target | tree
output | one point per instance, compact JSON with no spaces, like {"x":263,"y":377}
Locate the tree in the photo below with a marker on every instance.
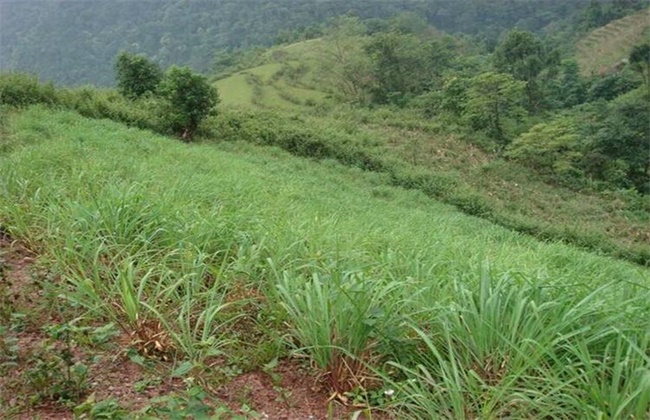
{"x":454,"y":96}
{"x":190,"y":99}
{"x":343,"y":61}
{"x":623,"y":139}
{"x":136,"y":75}
{"x":524,"y":56}
{"x":494,"y":105}
{"x":569,"y":89}
{"x":640,"y":62}
{"x":403,"y":65}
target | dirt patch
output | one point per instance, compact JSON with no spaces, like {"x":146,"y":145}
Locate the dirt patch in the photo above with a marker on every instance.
{"x":32,"y":362}
{"x":288,"y":390}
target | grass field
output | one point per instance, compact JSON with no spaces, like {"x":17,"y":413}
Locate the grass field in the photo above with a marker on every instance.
{"x":602,"y":49}
{"x":230,"y":256}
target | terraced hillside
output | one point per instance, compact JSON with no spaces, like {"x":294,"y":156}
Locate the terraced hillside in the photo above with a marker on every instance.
{"x":601,"y":50}
{"x":287,"y":80}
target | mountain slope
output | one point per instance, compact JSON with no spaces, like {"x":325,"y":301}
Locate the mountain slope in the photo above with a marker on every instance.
{"x":76,"y":42}
{"x":600,"y":51}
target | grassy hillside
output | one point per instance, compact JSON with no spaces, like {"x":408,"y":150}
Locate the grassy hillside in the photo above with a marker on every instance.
{"x":602,"y":49}
{"x":216,"y":258}
{"x":510,"y":194}
{"x":286,"y":80}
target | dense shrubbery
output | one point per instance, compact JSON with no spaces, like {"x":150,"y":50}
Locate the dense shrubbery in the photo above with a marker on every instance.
{"x":177,"y":106}
{"x":605,"y":142}
{"x":21,"y":90}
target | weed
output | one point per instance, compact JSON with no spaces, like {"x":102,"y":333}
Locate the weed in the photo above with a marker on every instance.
{"x":53,"y":373}
{"x":187,"y":405}
{"x":104,"y":409}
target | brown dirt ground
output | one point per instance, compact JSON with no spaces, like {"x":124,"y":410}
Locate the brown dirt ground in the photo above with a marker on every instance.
{"x":289,"y":391}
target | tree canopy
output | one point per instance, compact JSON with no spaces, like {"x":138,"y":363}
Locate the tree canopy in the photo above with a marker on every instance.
{"x":136,"y":75}
{"x":190,"y":98}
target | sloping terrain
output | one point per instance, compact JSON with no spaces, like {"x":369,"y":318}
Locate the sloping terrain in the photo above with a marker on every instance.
{"x":212,"y":260}
{"x":285,"y":82}
{"x":601,"y":50}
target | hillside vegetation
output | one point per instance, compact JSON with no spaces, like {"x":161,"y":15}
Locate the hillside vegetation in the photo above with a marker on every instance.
{"x":287,"y":78}
{"x":603,"y":49}
{"x":290,"y":79}
{"x":390,"y":288}
{"x":371,"y":219}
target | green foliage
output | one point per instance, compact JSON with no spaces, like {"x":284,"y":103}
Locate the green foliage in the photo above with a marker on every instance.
{"x":343,"y":62}
{"x":53,"y":374}
{"x":525,"y":57}
{"x":494,"y":105}
{"x":623,"y":140}
{"x":404,"y":65}
{"x":105,"y":409}
{"x":340,"y":321}
{"x":22,"y":90}
{"x":191,"y":98}
{"x":136,"y":75}
{"x":77,"y":43}
{"x":600,"y":13}
{"x":570,"y":88}
{"x":555,"y":148}
{"x":507,"y":347}
{"x":549,"y":331}
{"x":186,"y":405}
{"x":640,"y":62}
{"x":452,"y":98}
{"x":610,"y":86}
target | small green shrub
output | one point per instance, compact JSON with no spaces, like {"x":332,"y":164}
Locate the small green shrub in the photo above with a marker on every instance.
{"x":104,"y":409}
{"x":191,"y":98}
{"x":472,"y":204}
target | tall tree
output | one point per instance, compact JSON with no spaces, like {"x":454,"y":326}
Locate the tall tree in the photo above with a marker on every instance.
{"x":343,"y":61}
{"x":404,"y":65}
{"x":623,"y":140}
{"x":640,"y":62}
{"x":525,"y":57}
{"x":494,"y":105}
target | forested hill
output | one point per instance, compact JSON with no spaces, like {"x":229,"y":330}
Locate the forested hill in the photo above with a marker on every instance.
{"x":75,"y":42}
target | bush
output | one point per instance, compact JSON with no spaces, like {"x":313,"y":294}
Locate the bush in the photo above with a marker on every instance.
{"x":612,"y":85}
{"x":555,"y":148}
{"x":190,"y":99}
{"x":23,"y":90}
